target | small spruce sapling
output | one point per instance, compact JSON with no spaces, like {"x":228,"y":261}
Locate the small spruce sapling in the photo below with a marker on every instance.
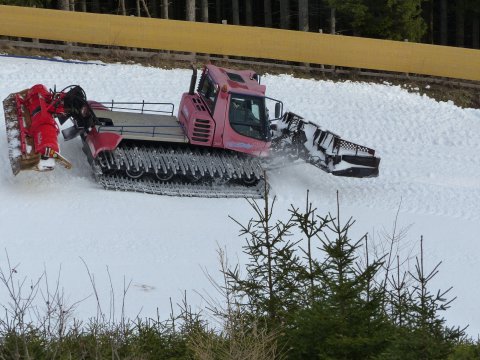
{"x":271,"y":286}
{"x":311,"y":226}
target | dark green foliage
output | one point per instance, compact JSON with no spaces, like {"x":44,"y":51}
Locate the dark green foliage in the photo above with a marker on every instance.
{"x":29,"y":345}
{"x":271,"y":284}
{"x":420,"y":332}
{"x":140,"y":340}
{"x":407,"y":21}
{"x":311,"y":226}
{"x":472,"y":5}
{"x":346,"y":319}
{"x":467,"y":350}
{"x":391,"y":19}
{"x":342,"y":309}
{"x":352,"y":13}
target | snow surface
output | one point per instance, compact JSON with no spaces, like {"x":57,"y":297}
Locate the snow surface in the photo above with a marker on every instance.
{"x":61,"y":220}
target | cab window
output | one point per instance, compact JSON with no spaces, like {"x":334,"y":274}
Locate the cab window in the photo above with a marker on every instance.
{"x":209,"y":91}
{"x":247,"y":116}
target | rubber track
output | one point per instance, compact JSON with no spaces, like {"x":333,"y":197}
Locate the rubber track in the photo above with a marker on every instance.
{"x":180,"y":189}
{"x":184,"y":161}
{"x":210,"y":168}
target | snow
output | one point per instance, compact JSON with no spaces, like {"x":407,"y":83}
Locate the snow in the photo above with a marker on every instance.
{"x":47,"y":164}
{"x":62,"y":222}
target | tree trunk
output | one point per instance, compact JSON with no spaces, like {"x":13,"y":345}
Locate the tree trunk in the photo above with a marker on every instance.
{"x":460,"y":23}
{"x":430,"y":22}
{"x":205,"y":10}
{"x":248,"y":13}
{"x":110,"y":4}
{"x":218,"y":11}
{"x":155,"y":8}
{"x":164,"y":9}
{"x":95,"y":6}
{"x":476,"y":31}
{"x":191,"y":17}
{"x":333,"y":21}
{"x":145,"y":8}
{"x":138,"y":9}
{"x":443,"y":23}
{"x":121,"y":8}
{"x":72,"y":5}
{"x":191,"y":10}
{"x":235,"y":12}
{"x":83,"y":5}
{"x":64,"y":5}
{"x":303,"y":15}
{"x":284,"y":14}
{"x":267,"y":9}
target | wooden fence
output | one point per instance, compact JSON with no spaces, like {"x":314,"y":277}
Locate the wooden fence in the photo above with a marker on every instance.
{"x":287,"y":45}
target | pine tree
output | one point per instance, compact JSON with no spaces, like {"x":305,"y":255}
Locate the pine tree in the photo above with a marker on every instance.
{"x":421,"y":333}
{"x":205,"y":11}
{"x":394,"y":19}
{"x":407,"y":21}
{"x":190,"y":10}
{"x":270,"y":288}
{"x":354,"y":13}
{"x":64,"y":5}
{"x":443,"y":22}
{"x":331,"y":302}
{"x":311,"y":226}
{"x":164,"y":11}
{"x":347,"y":320}
{"x":267,"y":9}
{"x":235,"y":12}
{"x":460,"y":23}
{"x":473,"y":8}
{"x":248,"y":13}
{"x":303,"y":15}
{"x":284,"y":14}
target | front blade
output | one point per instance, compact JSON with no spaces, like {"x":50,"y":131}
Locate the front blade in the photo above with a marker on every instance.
{"x":300,"y":139}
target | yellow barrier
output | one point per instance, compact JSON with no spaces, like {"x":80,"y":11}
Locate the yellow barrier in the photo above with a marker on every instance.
{"x":240,"y":41}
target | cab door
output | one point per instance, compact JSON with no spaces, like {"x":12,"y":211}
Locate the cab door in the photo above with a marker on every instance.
{"x":246,"y":127}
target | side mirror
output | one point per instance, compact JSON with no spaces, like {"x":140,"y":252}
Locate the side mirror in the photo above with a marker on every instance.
{"x":277,"y":110}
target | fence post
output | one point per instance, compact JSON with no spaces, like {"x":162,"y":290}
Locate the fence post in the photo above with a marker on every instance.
{"x":407,"y":74}
{"x":321,"y":65}
{"x":35,"y":41}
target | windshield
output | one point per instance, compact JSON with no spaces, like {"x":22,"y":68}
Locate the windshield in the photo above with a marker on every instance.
{"x":247,"y":116}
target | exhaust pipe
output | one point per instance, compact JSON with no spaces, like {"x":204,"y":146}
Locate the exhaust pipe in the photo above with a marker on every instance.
{"x":193,"y":81}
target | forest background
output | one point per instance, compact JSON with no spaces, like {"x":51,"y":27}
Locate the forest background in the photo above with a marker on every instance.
{"x":440,"y":22}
